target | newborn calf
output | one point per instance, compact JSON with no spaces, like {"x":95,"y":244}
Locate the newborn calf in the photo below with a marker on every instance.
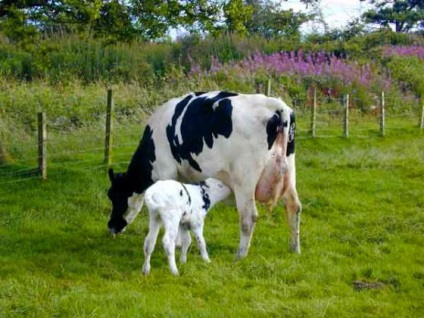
{"x":180,"y":208}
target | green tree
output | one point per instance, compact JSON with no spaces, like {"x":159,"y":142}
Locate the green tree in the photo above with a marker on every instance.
{"x":237,"y":14}
{"x":147,"y":19}
{"x":153,"y":18}
{"x":114,"y":22}
{"x":21,"y":18}
{"x":270,"y":20}
{"x":14,"y":20}
{"x":404,"y":14}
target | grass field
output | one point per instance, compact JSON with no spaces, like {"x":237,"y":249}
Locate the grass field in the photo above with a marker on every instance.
{"x":362,"y":238}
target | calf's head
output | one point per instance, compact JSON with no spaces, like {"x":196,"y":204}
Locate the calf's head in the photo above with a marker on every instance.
{"x":118,"y":193}
{"x":213,"y":191}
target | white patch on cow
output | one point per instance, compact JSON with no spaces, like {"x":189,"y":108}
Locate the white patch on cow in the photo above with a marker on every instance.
{"x":215,"y":105}
{"x":291,"y":132}
{"x":178,"y":126}
{"x":135,"y":203}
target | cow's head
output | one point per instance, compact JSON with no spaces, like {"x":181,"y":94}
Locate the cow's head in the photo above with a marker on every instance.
{"x":119,"y":193}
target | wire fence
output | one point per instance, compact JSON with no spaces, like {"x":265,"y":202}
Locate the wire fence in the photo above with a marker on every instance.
{"x":111,"y":142}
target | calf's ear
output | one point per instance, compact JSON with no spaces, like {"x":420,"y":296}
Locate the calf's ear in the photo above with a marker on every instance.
{"x":111,"y":175}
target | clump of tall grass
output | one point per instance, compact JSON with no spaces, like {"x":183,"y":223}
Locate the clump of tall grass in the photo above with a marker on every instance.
{"x":75,"y":104}
{"x":70,"y":59}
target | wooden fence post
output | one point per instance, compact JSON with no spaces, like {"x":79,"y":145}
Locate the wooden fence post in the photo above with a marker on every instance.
{"x":346,"y":117}
{"x":108,"y":137}
{"x":268,"y":87}
{"x":42,"y":148}
{"x":314,"y":114}
{"x":382,"y":116}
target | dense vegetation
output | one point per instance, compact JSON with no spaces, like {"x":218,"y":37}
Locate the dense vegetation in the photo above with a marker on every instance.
{"x":362,"y":67}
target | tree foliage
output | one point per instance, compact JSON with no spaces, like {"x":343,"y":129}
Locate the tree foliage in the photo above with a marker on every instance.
{"x":270,"y":20}
{"x":153,"y":18}
{"x":123,"y":20}
{"x":404,"y":14}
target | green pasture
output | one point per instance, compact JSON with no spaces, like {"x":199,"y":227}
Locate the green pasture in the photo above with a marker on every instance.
{"x":362,"y":237}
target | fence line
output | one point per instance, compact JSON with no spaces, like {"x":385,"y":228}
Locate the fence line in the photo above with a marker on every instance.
{"x":314,"y":114}
{"x":346,"y":116}
{"x":422,"y":115}
{"x":321,"y":122}
{"x":42,"y":148}
{"x":108,"y":135}
{"x":382,"y":115}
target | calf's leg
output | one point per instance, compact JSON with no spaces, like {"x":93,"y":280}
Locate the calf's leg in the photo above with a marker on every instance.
{"x":201,"y":243}
{"x":169,"y":238}
{"x":150,"y":242}
{"x":185,"y":237}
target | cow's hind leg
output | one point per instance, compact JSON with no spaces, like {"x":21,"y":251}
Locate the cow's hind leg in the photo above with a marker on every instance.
{"x":293,"y":210}
{"x":248,"y":215}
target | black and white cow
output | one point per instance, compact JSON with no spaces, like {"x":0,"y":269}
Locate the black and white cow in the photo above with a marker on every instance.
{"x":246,"y":141}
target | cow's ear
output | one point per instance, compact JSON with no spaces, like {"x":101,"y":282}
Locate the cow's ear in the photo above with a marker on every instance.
{"x":111,"y":175}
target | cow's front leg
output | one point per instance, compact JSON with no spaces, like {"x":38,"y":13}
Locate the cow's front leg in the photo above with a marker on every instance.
{"x":293,"y":210}
{"x":248,"y":215}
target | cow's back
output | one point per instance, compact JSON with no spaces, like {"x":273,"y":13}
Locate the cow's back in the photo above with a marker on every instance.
{"x":237,"y":138}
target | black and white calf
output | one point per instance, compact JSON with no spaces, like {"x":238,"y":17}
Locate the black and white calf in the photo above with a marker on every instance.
{"x":245,"y":141}
{"x":180,"y":208}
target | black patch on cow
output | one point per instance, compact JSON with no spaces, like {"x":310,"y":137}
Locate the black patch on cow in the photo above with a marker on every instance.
{"x":137,"y":179}
{"x":119,"y":193}
{"x":273,"y":126}
{"x":205,"y":195}
{"x":292,"y":133}
{"x":204,"y":119}
{"x":139,"y":172}
{"x":199,"y":93}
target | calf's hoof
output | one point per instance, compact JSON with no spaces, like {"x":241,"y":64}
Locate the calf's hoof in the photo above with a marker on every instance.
{"x":146,"y":270}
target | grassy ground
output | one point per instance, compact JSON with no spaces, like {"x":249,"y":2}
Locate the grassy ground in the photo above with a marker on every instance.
{"x":362,"y":238}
